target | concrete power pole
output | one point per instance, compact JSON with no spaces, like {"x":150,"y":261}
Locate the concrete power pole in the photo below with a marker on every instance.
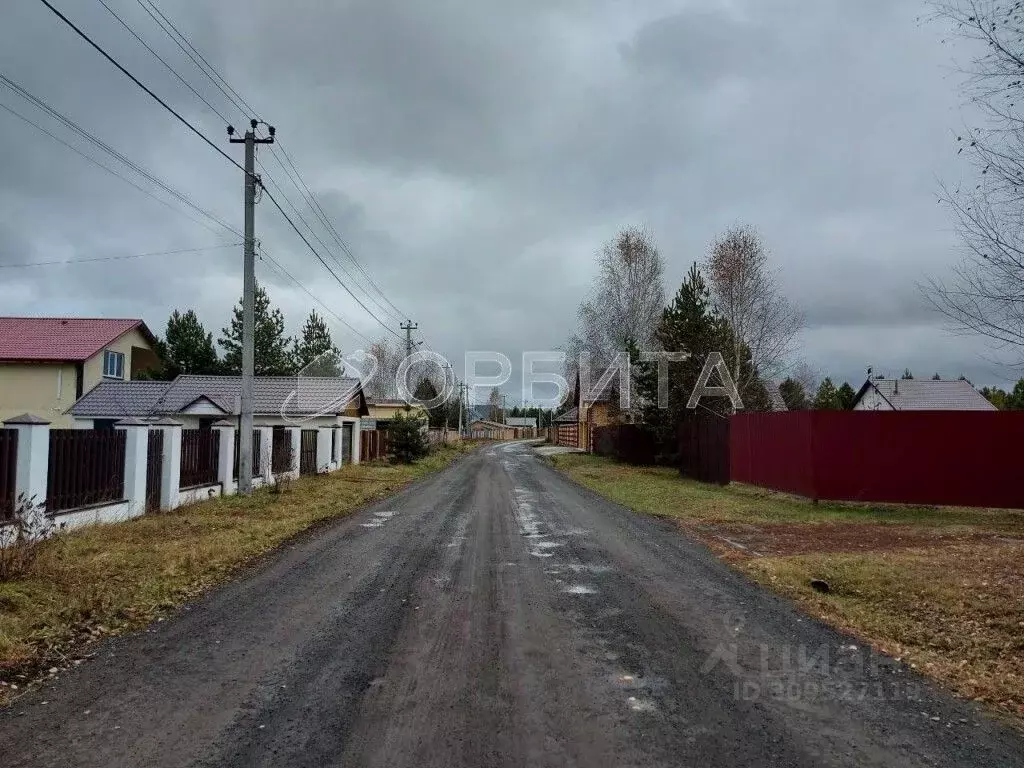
{"x":409,"y":328}
{"x":248,"y":298}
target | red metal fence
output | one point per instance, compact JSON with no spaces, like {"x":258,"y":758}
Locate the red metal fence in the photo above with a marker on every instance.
{"x":625,"y":442}
{"x":373,"y":444}
{"x":965,"y":458}
{"x":704,"y":439}
{"x":8,"y":470}
{"x":86,"y":467}
{"x":200,"y":449}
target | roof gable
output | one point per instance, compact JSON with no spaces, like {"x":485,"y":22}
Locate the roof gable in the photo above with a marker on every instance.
{"x":71,"y":339}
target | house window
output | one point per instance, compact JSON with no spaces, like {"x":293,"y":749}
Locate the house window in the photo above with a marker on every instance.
{"x":113,"y":364}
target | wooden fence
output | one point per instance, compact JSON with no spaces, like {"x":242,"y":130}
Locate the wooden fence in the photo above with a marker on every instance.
{"x":86,"y":467}
{"x":307,"y":452}
{"x":154,"y":469}
{"x":257,"y":453}
{"x":373,"y":444}
{"x":8,"y":471}
{"x":200,"y":449}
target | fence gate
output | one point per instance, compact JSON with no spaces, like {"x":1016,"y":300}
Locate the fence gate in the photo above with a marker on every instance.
{"x":307,"y":452}
{"x":154,"y":469}
{"x":346,"y":444}
{"x":569,"y":434}
{"x":704,"y":448}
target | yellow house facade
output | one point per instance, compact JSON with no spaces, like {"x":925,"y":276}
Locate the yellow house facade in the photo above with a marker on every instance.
{"x":47,"y":363}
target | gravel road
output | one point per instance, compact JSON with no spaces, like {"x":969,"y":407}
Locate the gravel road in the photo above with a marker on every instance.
{"x":495,"y":614}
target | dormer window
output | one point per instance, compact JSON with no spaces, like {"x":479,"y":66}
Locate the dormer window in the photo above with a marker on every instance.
{"x":113,"y":364}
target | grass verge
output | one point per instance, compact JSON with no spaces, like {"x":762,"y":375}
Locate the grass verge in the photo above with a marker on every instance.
{"x":109,"y":579}
{"x":942,"y":589}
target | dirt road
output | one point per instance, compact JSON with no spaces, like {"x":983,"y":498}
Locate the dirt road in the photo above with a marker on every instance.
{"x":495,"y":614}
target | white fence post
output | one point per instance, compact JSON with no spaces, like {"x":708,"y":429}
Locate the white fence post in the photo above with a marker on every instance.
{"x":296,"y":436}
{"x":33,"y":458}
{"x":136,"y":451}
{"x":266,"y":454}
{"x":323,"y":450}
{"x":226,"y":457}
{"x":357,"y":440}
{"x":170,"y":473}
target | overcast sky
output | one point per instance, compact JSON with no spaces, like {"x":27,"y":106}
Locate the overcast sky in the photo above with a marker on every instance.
{"x":475,"y":155}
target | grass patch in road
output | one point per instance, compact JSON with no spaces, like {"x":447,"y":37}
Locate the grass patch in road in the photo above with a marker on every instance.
{"x":107,"y":579}
{"x":940,"y":588}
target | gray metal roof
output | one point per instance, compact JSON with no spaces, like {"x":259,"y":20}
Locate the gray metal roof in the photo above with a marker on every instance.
{"x":521,"y":421}
{"x":120,"y":399}
{"x":273,"y":395}
{"x":929,"y":395}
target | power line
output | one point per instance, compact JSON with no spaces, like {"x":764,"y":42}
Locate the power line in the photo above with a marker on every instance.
{"x":159,"y":58}
{"x":72,"y":125}
{"x":219,"y":81}
{"x":101,"y":166}
{"x":93,"y":260}
{"x":319,"y":212}
{"x":264,"y":253}
{"x":206,"y":68}
{"x":326,"y":265}
{"x":141,"y":85}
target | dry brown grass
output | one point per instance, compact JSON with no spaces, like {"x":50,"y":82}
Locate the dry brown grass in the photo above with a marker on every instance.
{"x":109,"y":579}
{"x":940,"y":588}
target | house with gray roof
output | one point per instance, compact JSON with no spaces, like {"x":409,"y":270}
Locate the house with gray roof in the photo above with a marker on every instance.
{"x":920,"y":395}
{"x":198,"y":401}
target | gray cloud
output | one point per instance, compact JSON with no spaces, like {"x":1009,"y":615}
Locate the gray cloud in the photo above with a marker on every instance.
{"x":476,"y":155}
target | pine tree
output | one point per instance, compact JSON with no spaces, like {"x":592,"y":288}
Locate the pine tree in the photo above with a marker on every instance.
{"x":827,"y":398}
{"x":845,"y":397}
{"x":408,"y":442}
{"x":188,"y":348}
{"x":907,"y":375}
{"x":315,"y":353}
{"x":272,"y":347}
{"x":793,"y":395}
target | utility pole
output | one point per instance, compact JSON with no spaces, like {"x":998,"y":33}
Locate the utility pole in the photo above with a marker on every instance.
{"x":248,"y":298}
{"x":504,"y":418}
{"x":409,"y":328}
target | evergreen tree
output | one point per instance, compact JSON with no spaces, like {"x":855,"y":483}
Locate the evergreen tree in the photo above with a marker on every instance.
{"x":1015,"y":400}
{"x":688,"y":324}
{"x":188,"y":348}
{"x":272,"y":347}
{"x":438,"y":415}
{"x":845,"y":396}
{"x":827,"y":398}
{"x":907,"y":375}
{"x":793,"y":395}
{"x":936,"y":377}
{"x":998,"y":397}
{"x":408,"y":442}
{"x":315,"y":353}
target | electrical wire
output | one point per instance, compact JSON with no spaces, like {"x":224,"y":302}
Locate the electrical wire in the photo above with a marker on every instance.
{"x":72,"y":125}
{"x":93,"y":260}
{"x":141,"y":85}
{"x":109,"y":170}
{"x":159,"y":58}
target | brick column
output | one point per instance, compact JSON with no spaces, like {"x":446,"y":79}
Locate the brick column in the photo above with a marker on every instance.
{"x":226,"y":457}
{"x":33,"y":459}
{"x":136,"y":455}
{"x":170,"y":474}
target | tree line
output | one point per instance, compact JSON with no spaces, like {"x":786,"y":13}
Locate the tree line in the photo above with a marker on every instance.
{"x":188,"y":348}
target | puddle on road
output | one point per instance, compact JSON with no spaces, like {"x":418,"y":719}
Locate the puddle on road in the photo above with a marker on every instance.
{"x":580,"y":589}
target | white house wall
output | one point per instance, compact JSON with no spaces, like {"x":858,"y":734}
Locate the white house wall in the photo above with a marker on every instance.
{"x":872,"y":401}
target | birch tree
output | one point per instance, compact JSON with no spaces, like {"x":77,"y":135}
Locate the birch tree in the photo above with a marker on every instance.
{"x":763,"y":324}
{"x":984,"y":295}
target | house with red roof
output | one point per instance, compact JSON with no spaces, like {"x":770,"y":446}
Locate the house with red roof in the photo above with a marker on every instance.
{"x":47,"y":363}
